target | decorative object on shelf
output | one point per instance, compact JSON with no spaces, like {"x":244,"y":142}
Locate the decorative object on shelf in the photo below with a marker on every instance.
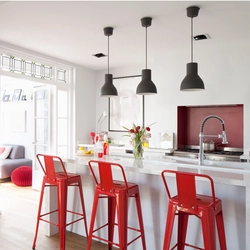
{"x":167,"y":140}
{"x":145,"y":144}
{"x":108,"y":89}
{"x":23,"y":98}
{"x":84,"y":152}
{"x":146,"y":86}
{"x":100,"y":121}
{"x":16,"y":95}
{"x":192,"y":81}
{"x":92,"y":134}
{"x":138,"y":135}
{"x":2,"y":93}
{"x":106,"y":147}
{"x":6,"y":98}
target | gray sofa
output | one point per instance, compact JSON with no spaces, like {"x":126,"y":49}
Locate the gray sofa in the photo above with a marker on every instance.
{"x":13,"y":161}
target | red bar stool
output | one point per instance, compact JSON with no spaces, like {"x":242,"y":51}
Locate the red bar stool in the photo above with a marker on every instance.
{"x":61,"y":180}
{"x":117,"y":193}
{"x":187,"y":202}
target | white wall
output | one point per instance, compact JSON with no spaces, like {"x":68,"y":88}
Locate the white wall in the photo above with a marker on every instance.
{"x":85,"y":103}
{"x":223,"y":68}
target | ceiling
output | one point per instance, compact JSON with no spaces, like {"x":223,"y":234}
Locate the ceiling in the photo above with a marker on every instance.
{"x":73,"y":30}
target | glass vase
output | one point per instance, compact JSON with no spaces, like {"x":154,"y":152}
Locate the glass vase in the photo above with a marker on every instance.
{"x":138,"y":150}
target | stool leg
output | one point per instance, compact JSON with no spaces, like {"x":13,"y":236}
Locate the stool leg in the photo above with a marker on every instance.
{"x":83,"y":206}
{"x":221,"y":230}
{"x":111,"y":220}
{"x":62,"y":210}
{"x":92,"y":221}
{"x":182,"y":229}
{"x":169,"y":226}
{"x":139,"y":213}
{"x":208,"y":229}
{"x":122,"y":212}
{"x":38,"y":214}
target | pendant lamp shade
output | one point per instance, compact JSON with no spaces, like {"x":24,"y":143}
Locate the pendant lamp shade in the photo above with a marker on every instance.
{"x":146,"y":86}
{"x":108,"y":89}
{"x":192,"y":80}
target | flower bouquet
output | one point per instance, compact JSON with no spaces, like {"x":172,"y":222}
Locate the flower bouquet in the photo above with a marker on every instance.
{"x":138,"y":136}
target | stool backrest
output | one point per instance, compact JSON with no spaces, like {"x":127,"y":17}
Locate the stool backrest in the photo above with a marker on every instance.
{"x":104,"y":175}
{"x":47,"y":164}
{"x":186,"y":188}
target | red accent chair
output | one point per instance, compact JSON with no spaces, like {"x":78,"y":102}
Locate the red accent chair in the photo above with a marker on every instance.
{"x":61,"y":180}
{"x":117,"y":193}
{"x":187,"y":202}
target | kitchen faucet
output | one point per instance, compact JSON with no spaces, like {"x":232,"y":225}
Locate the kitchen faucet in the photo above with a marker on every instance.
{"x":201,"y":136}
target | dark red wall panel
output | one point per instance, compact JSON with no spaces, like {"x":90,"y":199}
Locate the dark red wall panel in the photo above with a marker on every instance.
{"x":190,"y":120}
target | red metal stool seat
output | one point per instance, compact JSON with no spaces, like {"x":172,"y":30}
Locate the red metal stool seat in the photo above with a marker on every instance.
{"x":117,"y":193}
{"x":61,"y":180}
{"x":187,"y":202}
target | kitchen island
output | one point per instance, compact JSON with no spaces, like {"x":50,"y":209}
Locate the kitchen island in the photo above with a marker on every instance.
{"x":232,"y":186}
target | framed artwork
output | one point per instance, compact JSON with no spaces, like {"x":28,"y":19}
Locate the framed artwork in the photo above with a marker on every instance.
{"x":126,"y":108}
{"x":16,"y":95}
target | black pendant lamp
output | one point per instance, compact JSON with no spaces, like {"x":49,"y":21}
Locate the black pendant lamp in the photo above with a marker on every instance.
{"x":108,"y":89}
{"x":192,"y":81}
{"x":146,"y":86}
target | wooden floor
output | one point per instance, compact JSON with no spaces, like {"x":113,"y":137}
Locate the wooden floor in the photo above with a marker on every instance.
{"x":18,"y":206}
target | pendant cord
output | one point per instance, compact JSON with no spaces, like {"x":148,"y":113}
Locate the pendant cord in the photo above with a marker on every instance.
{"x":146,"y":47}
{"x":108,"y":54}
{"x":192,"y":49}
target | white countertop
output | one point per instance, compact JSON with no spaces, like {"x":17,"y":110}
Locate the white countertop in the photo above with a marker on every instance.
{"x":154,"y":163}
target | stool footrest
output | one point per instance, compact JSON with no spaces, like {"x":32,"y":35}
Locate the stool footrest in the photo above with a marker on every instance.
{"x":68,"y":211}
{"x":186,"y":244}
{"x":116,"y":244}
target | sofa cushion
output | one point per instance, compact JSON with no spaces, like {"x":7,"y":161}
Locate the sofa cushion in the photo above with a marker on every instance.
{"x":5,"y":151}
{"x":17,"y":152}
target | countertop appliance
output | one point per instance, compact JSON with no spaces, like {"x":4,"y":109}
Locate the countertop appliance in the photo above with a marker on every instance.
{"x":221,"y":154}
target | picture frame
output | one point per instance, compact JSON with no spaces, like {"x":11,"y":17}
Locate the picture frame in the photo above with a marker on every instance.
{"x":126,"y":108}
{"x":6,"y":98}
{"x":16,"y":95}
{"x":2,"y":93}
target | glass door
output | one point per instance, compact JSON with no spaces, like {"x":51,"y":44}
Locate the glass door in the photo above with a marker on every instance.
{"x":42,"y":130}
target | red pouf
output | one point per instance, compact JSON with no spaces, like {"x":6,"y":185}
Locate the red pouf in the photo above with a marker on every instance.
{"x":22,"y":176}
